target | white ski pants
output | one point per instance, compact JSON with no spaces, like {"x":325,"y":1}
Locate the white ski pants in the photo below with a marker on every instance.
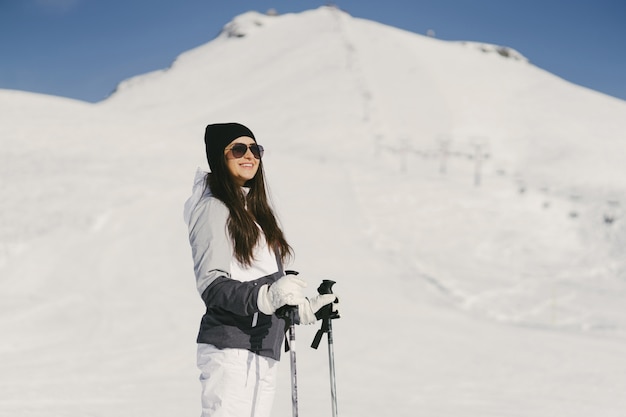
{"x":236,"y":382}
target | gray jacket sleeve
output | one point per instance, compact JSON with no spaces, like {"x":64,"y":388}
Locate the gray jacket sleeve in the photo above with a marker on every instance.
{"x":210,"y":245}
{"x":212,"y":254}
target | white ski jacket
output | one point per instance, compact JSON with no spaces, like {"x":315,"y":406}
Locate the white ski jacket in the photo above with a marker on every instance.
{"x":228,"y":289}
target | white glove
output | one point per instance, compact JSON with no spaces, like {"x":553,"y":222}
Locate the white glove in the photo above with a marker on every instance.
{"x":287,"y":290}
{"x":307,"y":309}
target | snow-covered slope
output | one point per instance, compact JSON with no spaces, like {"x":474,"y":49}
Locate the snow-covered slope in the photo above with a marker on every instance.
{"x":504,"y":298}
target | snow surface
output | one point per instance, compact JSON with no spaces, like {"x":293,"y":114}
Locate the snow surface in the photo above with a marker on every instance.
{"x":469,"y":205}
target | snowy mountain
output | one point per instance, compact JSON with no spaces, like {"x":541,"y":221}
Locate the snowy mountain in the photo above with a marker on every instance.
{"x":469,"y":205}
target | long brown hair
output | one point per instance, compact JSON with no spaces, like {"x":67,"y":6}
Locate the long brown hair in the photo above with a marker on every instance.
{"x":246,"y":211}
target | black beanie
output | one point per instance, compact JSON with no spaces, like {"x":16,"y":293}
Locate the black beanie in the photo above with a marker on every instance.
{"x":217,"y":136}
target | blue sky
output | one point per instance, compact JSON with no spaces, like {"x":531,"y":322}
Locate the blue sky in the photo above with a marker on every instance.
{"x":84,"y":48}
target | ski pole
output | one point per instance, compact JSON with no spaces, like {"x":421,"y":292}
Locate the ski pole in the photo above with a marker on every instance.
{"x":292,"y":355}
{"x":326,"y":314}
{"x":288,"y":313}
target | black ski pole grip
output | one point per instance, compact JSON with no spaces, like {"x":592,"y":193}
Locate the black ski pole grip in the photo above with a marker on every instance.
{"x":326,"y":287}
{"x":326,"y":312}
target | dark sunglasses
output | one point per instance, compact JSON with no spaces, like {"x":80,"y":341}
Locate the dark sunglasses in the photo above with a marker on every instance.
{"x":240,"y":149}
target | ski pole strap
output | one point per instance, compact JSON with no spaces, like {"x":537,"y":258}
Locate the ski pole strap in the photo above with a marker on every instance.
{"x":317,"y":339}
{"x":318,"y":336}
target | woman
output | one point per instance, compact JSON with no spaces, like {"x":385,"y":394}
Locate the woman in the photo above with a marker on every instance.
{"x":238,"y":250}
